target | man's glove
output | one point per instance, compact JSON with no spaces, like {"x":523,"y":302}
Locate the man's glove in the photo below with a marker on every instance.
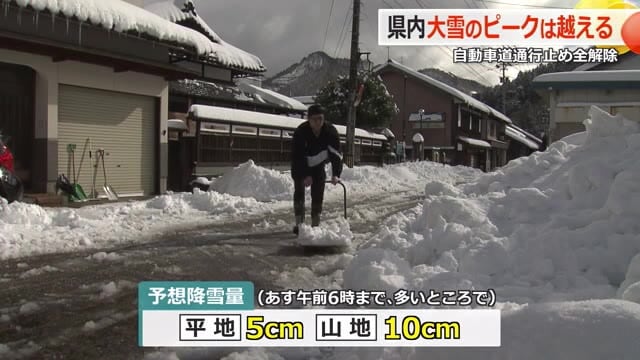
{"x":335,"y":180}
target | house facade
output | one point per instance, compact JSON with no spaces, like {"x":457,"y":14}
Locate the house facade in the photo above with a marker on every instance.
{"x":85,"y":76}
{"x":615,"y":87}
{"x":455,"y":127}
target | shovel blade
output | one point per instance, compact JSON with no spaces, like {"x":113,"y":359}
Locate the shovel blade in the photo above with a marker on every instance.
{"x":111,"y":194}
{"x":79,"y":193}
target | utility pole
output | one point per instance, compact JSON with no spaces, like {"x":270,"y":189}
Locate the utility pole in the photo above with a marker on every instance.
{"x":503,"y":81}
{"x":353,"y":84}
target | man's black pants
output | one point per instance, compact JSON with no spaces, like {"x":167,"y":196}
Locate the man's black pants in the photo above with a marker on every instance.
{"x":317,"y":197}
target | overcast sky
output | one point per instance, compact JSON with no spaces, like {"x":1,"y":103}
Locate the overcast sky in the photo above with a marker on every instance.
{"x":282,"y":32}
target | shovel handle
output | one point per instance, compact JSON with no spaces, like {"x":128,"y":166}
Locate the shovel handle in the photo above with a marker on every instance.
{"x":344,"y":189}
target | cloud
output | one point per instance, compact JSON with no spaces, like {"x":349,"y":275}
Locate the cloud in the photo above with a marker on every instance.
{"x":282,"y":32}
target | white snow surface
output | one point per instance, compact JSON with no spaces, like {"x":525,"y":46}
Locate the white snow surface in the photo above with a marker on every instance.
{"x":27,"y":229}
{"x":329,"y":233}
{"x":555,"y":235}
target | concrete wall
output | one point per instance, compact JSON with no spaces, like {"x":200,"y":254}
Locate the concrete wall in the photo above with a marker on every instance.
{"x":49,"y":75}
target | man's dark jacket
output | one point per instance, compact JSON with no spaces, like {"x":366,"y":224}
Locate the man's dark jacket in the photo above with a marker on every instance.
{"x":309,"y":153}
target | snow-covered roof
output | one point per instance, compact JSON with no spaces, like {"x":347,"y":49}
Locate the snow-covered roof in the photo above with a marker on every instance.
{"x":467,"y":99}
{"x":273,"y":96}
{"x":526,"y":133}
{"x":177,"y":124}
{"x":417,"y":138}
{"x":520,"y":137}
{"x":178,"y":11}
{"x":122,"y":17}
{"x":622,"y":76}
{"x":474,"y":142}
{"x":258,"y":118}
{"x":388,"y":133}
{"x":309,"y":99}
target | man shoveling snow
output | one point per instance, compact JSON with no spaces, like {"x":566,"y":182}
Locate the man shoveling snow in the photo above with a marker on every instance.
{"x":315,"y":143}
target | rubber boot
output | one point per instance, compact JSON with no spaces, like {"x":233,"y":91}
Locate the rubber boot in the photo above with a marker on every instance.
{"x":315,"y":220}
{"x":299,"y":220}
{"x":299,"y":214}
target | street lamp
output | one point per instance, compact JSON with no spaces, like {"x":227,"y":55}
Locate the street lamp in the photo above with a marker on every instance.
{"x":421,"y":112}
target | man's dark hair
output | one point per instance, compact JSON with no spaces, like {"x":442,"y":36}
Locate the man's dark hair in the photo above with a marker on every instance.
{"x":315,"y":109}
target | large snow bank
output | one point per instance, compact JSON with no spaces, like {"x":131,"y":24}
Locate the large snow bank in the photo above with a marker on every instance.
{"x":557,"y":225}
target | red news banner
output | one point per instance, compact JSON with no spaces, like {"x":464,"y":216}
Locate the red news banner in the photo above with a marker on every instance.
{"x":486,"y":27}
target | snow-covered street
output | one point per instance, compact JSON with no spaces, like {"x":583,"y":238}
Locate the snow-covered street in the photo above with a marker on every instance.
{"x":61,"y":289}
{"x":555,"y":235}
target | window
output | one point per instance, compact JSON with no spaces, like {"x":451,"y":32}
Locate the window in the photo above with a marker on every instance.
{"x":287,"y":134}
{"x":245,"y":130}
{"x":270,"y":132}
{"x":213,"y":127}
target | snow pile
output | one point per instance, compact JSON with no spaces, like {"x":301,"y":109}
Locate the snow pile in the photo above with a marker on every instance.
{"x":558,"y":227}
{"x":572,"y":330}
{"x":329,"y":233}
{"x":252,"y":181}
{"x":27,"y":229}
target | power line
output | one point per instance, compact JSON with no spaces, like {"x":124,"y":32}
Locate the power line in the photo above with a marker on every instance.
{"x":344,"y":25}
{"x":326,"y":31}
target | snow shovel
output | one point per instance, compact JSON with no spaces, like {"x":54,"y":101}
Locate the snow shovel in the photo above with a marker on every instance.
{"x":108,"y":190}
{"x":77,"y":191}
{"x":81,"y":192}
{"x":328,"y":247}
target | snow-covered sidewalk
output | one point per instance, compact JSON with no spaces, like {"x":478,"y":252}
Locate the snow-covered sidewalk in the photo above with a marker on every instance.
{"x":248,"y":190}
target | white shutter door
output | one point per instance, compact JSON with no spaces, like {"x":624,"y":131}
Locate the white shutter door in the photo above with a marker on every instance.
{"x":121,"y":124}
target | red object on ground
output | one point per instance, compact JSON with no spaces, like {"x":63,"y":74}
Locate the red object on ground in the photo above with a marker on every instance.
{"x":6,"y":158}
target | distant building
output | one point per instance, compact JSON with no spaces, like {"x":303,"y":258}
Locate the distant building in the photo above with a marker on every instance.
{"x":615,"y":87}
{"x":455,"y":127}
{"x":521,"y":142}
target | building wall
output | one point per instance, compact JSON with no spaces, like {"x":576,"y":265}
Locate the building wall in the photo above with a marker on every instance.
{"x":419,"y":96}
{"x":570,"y":107}
{"x":50,"y":74}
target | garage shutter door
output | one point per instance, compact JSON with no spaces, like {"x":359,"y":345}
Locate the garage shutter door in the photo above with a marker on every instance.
{"x":629,"y":112}
{"x":122,"y":124}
